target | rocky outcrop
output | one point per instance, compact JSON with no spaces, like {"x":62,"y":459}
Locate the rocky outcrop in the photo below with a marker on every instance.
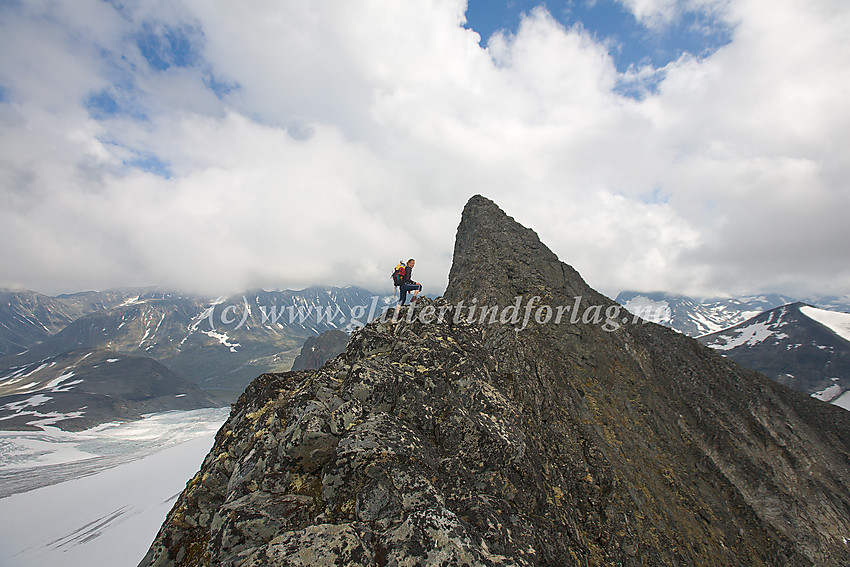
{"x":318,"y":350}
{"x":524,"y":419}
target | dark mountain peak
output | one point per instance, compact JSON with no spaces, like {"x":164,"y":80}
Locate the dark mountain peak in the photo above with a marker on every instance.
{"x":318,"y":350}
{"x":496,"y":259}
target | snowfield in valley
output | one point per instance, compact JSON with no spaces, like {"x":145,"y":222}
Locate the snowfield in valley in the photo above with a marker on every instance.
{"x":98,"y":497}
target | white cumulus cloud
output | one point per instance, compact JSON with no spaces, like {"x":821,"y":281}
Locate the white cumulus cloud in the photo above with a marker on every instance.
{"x":281,"y":144}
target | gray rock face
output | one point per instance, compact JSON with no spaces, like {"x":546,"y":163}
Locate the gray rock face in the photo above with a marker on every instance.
{"x":456,"y":441}
{"x":318,"y":350}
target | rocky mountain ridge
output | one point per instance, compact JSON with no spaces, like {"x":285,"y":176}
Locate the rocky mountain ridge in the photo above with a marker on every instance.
{"x":459,"y":437}
{"x":28,"y":318}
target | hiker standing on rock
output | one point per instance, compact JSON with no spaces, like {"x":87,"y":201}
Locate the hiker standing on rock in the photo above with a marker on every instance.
{"x":407,"y":284}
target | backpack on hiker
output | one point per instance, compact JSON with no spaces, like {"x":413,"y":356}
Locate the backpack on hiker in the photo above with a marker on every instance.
{"x":398,"y":274}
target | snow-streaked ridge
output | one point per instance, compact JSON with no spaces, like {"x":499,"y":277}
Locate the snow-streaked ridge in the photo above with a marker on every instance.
{"x":752,"y":334}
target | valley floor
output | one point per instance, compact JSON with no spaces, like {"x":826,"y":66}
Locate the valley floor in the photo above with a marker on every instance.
{"x":98,"y":497}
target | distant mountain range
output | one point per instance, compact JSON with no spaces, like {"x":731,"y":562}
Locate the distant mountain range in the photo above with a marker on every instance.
{"x":28,"y":317}
{"x":800,"y":346}
{"x":797,"y":343}
{"x":219,"y":344}
{"x":180,"y":351}
{"x":700,"y":316}
{"x":80,"y":389}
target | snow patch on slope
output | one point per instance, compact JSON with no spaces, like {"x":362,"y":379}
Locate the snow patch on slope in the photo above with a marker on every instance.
{"x":828,"y":393}
{"x":223,"y":339}
{"x":54,"y":386}
{"x":843,"y":401}
{"x":837,"y":322}
{"x":31,"y":402}
{"x":750,"y":335}
{"x":131,"y":301}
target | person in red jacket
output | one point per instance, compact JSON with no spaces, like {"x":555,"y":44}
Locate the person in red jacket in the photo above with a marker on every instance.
{"x":407,"y":284}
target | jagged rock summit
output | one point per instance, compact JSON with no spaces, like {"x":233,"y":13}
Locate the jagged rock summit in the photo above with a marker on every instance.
{"x":496,"y":258}
{"x":547,"y":431}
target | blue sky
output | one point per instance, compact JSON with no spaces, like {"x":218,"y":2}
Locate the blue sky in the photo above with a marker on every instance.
{"x":693,"y":146}
{"x":631,"y":42}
